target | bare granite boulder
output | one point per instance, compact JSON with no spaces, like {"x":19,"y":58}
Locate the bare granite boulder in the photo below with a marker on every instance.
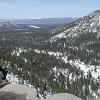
{"x":63,"y":96}
{"x":23,"y":91}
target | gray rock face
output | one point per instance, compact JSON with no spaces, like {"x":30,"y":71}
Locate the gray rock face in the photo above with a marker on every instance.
{"x":63,"y":96}
{"x":24,"y":92}
{"x":11,"y":96}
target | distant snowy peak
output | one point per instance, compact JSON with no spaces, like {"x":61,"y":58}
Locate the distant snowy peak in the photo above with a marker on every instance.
{"x":86,"y":24}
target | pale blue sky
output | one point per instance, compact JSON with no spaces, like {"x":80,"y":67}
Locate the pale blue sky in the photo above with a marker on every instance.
{"x":47,"y":8}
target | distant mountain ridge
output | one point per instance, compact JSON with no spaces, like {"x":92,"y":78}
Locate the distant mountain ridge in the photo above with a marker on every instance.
{"x":8,"y":25}
{"x":44,"y":21}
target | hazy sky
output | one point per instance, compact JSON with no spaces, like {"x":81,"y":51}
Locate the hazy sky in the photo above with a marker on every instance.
{"x":47,"y":8}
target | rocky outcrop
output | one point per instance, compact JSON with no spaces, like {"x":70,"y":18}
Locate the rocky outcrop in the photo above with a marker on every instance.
{"x":18,"y":92}
{"x":22,"y":92}
{"x":63,"y":96}
{"x":3,"y":73}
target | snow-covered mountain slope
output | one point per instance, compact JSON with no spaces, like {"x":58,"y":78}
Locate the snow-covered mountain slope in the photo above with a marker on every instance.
{"x":86,"y":24}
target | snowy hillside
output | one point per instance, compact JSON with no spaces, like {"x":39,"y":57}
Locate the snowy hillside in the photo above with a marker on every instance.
{"x":89,"y":23}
